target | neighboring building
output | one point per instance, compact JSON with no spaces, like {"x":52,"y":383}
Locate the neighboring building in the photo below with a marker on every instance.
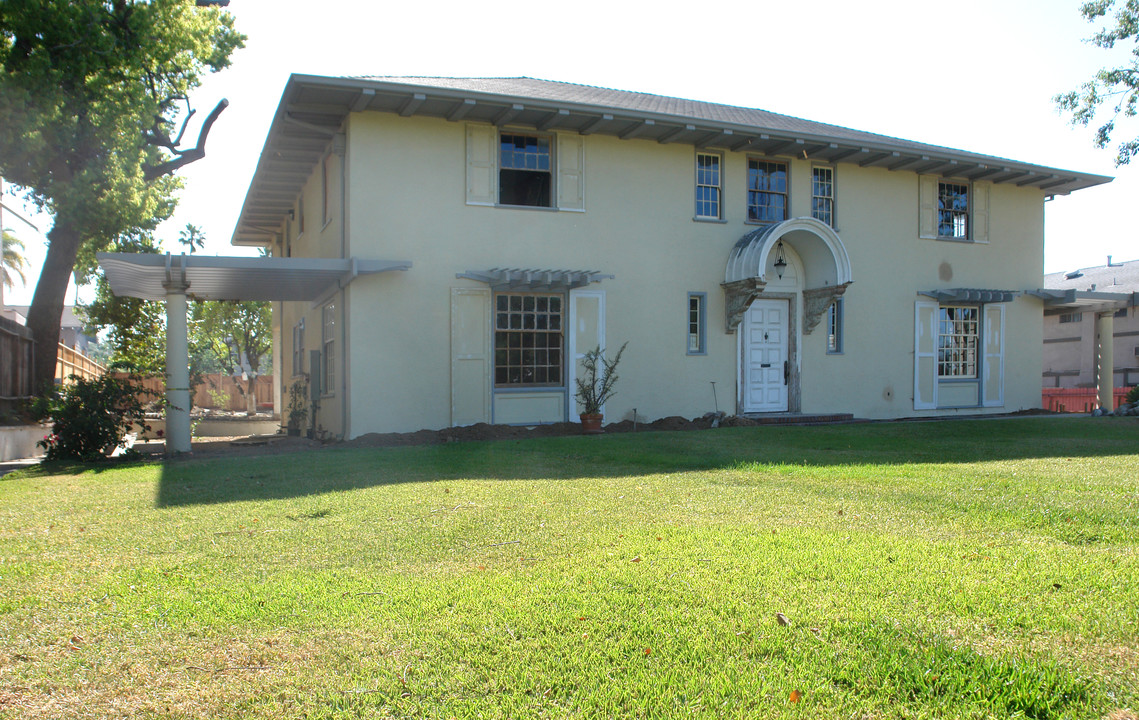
{"x":70,"y":326}
{"x":754,"y":262}
{"x":1071,"y":343}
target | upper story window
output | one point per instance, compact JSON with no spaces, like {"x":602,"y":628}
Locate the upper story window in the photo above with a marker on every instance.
{"x":527,"y":340}
{"x":525,"y":170}
{"x":708,"y":185}
{"x":822,"y":194}
{"x":766,"y":191}
{"x":957,"y":341}
{"x":952,"y":210}
{"x":1071,"y":317}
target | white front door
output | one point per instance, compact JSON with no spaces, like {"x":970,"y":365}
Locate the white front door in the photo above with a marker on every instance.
{"x":764,"y":357}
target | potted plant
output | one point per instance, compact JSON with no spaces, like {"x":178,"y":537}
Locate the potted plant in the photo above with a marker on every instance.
{"x":593,"y":391}
{"x":298,"y":407}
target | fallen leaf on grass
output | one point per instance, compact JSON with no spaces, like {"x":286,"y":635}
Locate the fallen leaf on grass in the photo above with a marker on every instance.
{"x":648,"y":651}
{"x":782,"y":619}
{"x":796,"y":696}
{"x":636,"y":559}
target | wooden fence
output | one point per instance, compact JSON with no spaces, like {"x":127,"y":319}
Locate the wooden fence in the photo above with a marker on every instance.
{"x":1078,"y":400}
{"x":220,"y":392}
{"x":16,"y":348}
{"x":70,"y":361}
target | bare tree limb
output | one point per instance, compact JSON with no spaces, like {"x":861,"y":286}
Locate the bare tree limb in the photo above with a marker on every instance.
{"x":186,"y":157}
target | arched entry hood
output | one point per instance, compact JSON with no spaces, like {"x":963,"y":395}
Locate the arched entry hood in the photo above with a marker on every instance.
{"x":826,"y":272}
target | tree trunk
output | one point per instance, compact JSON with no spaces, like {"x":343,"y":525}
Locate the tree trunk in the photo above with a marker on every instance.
{"x":251,"y":395}
{"x":46,"y":311}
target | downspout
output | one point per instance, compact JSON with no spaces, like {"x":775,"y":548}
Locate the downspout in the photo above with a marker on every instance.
{"x":340,"y":147}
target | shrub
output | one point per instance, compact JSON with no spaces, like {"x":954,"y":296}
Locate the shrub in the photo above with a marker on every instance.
{"x":92,"y":417}
{"x":1133,"y":394}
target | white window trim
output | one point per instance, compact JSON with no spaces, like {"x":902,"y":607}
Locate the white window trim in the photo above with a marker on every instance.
{"x":298,"y":368}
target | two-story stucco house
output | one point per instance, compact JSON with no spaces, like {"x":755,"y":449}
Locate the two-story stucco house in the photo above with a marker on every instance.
{"x":754,"y":263}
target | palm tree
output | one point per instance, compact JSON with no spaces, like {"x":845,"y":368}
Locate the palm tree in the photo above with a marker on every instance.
{"x":12,"y":263}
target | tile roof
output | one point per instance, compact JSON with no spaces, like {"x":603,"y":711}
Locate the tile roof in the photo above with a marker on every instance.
{"x":1119,"y":277}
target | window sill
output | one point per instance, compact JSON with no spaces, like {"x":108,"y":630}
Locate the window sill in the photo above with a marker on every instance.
{"x":541,"y":208}
{"x":835,"y":352}
{"x":946,"y":238}
{"x":764,"y":222}
{"x":530,"y":389}
{"x":702,"y":353}
{"x":699,"y":219}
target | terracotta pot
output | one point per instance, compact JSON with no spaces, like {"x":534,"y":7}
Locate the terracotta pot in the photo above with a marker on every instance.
{"x":591,"y":423}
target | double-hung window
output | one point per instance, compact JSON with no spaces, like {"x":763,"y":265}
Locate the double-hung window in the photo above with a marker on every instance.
{"x":525,"y":170}
{"x":708,"y":186}
{"x":957,"y":341}
{"x":766,"y":191}
{"x":822,"y":194}
{"x":952,"y":210}
{"x":328,"y":355}
{"x":528,"y":341}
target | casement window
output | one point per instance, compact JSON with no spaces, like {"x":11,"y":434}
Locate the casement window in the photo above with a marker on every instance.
{"x":766,"y":191}
{"x":953,"y":210}
{"x":519,"y":168}
{"x":822,"y":194}
{"x":528,"y":340}
{"x":299,"y":348}
{"x":708,"y":186}
{"x":957,"y":341}
{"x":328,"y":348}
{"x":834,"y":327}
{"x":1071,"y":317}
{"x":300,"y":217}
{"x":697,"y":333}
{"x":950,"y":209}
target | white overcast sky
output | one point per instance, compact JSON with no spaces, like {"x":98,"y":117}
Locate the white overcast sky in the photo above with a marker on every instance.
{"x":975,"y":75}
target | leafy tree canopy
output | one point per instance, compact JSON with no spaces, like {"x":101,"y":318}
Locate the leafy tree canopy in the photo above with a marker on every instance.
{"x":136,"y":327}
{"x":1117,"y":87}
{"x":94,"y":103}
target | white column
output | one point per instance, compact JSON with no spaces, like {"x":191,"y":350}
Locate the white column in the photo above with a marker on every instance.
{"x":177,"y":371}
{"x":1105,"y":357}
{"x":278,"y":364}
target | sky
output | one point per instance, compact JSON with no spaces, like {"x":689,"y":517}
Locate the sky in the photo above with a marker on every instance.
{"x":976,"y":75}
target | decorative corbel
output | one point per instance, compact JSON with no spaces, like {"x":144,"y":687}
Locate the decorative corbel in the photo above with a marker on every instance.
{"x":815,"y":304}
{"x":738,"y":296}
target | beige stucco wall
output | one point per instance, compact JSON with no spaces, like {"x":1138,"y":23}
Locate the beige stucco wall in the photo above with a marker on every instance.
{"x":406,"y":197}
{"x":1070,"y":350}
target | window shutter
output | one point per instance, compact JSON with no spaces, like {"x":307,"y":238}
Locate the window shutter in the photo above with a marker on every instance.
{"x":993,"y":384}
{"x":586,"y":331}
{"x":927,"y":206}
{"x":980,"y":230}
{"x":925,"y":355}
{"x":470,"y":355}
{"x":571,"y":172}
{"x":482,"y":165}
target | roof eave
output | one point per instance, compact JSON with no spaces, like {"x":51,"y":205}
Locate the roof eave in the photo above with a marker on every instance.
{"x":289,"y":157}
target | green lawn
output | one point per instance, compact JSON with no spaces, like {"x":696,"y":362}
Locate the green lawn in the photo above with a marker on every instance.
{"x":957,"y":569}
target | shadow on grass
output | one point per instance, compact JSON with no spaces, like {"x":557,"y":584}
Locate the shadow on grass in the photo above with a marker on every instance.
{"x":223,"y":480}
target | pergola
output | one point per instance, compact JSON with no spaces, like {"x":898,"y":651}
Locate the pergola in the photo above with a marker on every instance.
{"x":174,"y":278}
{"x":1104,"y":305}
